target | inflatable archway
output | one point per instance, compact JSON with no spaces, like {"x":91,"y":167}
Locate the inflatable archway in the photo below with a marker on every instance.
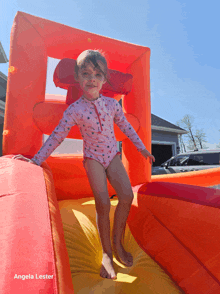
{"x":49,"y":237}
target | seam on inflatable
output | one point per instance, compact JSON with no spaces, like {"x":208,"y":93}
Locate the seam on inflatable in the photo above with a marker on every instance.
{"x":34,"y":28}
{"x":34,"y":120}
{"x":187,"y":249}
{"x":153,"y":257}
{"x":56,"y":281}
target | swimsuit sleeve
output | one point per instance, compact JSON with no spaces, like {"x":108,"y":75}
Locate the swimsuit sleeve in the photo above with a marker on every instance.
{"x":126,"y":127}
{"x":57,"y":136}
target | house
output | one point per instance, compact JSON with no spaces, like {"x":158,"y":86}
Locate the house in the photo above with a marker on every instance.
{"x":165,"y":141}
{"x":164,"y":138}
{"x":3,"y":86}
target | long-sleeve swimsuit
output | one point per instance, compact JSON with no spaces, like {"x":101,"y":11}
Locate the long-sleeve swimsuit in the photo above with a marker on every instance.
{"x":95,"y":120}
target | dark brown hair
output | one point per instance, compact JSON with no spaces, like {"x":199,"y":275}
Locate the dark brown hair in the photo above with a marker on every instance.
{"x":92,"y":56}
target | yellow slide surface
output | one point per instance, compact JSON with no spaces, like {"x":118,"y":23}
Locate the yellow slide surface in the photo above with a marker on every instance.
{"x":85,"y":255}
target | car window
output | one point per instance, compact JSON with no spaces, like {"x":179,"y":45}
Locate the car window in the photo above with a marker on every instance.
{"x":167,"y":162}
{"x":179,"y":160}
{"x":204,"y":159}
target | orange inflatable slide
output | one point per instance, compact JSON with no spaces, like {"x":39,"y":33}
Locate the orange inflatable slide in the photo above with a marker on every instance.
{"x":49,"y":239}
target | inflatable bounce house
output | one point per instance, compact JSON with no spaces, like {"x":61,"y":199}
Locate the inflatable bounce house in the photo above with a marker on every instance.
{"x":49,"y":239}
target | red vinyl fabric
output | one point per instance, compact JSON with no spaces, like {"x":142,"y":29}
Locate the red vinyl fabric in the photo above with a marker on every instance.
{"x":180,"y":234}
{"x":202,"y":178}
{"x":34,"y":258}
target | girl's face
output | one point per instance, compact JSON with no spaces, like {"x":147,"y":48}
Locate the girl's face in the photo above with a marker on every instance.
{"x":91,"y":80}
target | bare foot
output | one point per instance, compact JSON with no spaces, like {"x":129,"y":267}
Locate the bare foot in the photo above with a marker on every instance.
{"x":123,"y":256}
{"x":107,"y":269}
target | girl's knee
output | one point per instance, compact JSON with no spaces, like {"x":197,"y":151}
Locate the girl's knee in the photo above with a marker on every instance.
{"x":127,"y":197}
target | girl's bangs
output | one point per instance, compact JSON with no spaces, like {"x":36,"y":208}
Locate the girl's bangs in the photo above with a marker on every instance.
{"x":94,"y":60}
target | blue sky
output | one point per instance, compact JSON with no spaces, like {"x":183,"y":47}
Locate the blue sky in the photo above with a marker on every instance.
{"x":183,"y":37}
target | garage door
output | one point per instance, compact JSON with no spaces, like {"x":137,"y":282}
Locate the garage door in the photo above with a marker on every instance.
{"x":161,"y":153}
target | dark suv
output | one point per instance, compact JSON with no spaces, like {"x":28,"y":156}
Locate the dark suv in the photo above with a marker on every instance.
{"x":190,"y":161}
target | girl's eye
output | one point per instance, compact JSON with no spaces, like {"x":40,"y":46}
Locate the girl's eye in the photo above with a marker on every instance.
{"x":98,"y":75}
{"x":85,"y":73}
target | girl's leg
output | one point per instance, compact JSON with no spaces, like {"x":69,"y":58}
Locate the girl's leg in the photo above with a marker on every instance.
{"x":98,"y":182}
{"x":119,"y":179}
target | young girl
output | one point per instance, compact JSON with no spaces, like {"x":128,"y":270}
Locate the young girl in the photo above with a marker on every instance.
{"x":95,"y":114}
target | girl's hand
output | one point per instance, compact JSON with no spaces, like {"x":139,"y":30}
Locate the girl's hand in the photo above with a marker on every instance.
{"x":147,"y":154}
{"x":21,"y":157}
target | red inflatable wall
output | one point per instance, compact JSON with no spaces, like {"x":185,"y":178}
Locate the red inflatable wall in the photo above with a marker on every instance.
{"x":33,"y":39}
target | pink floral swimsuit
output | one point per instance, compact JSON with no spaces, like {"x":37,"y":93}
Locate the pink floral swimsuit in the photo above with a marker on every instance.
{"x":95,"y":120}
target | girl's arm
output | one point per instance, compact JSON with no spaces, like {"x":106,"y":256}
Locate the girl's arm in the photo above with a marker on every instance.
{"x":55,"y":139}
{"x":129,"y":131}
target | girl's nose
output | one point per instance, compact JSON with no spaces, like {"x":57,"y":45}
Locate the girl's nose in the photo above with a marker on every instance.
{"x":92,"y":77}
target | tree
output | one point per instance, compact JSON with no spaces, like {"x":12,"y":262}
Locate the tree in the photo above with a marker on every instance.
{"x":187,"y":122}
{"x":180,"y":138}
{"x":200,"y":137}
{"x":182,"y":144}
{"x":195,"y":140}
{"x":218,"y":146}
